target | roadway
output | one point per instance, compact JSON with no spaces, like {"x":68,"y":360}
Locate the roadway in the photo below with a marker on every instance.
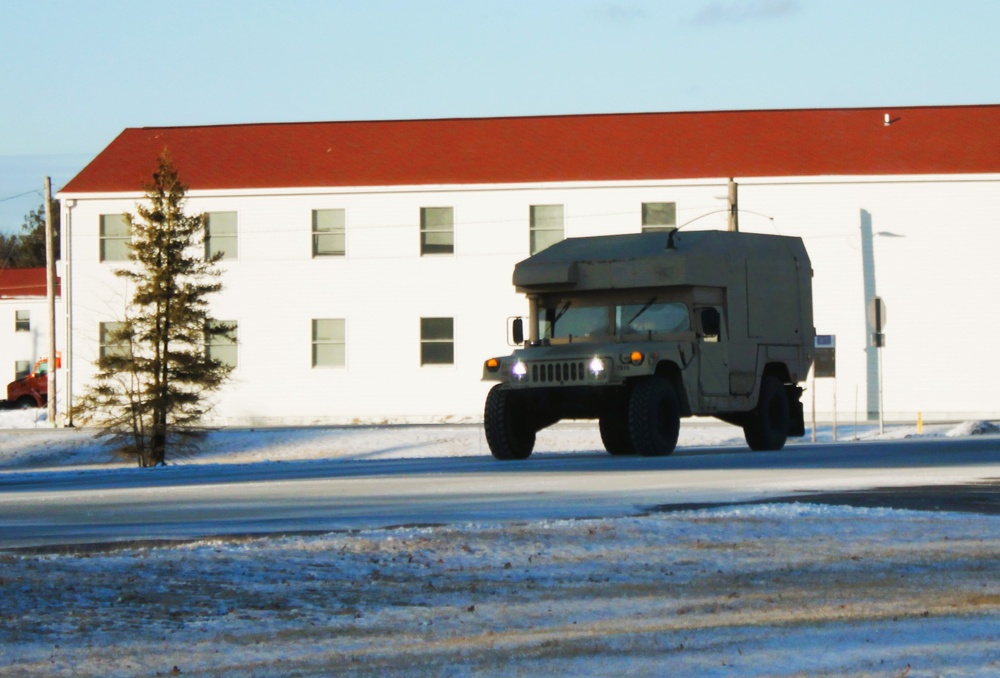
{"x":58,"y":508}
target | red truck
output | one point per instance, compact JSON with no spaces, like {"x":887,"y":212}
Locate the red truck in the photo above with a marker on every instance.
{"x":31,"y":390}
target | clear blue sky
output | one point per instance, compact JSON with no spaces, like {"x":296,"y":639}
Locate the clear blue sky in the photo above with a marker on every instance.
{"x":74,"y":74}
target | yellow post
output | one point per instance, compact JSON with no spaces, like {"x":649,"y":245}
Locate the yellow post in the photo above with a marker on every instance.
{"x":920,"y":423}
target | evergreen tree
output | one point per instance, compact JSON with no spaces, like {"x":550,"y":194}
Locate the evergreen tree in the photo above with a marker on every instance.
{"x":32,"y":240}
{"x":154,"y":371}
{"x":27,"y":249}
{"x":9,"y":248}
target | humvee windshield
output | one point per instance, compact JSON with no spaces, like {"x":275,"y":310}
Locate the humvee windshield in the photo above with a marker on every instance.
{"x":658,"y":318}
{"x":572,"y":321}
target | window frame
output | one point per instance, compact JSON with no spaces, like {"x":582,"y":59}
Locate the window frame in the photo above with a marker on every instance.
{"x":318,"y":343}
{"x":427,"y":230}
{"x":538,"y":224}
{"x":429,"y":344}
{"x":214,"y":342}
{"x":22,"y":323}
{"x":113,"y":246}
{"x":648,"y":226}
{"x":105,"y":348}
{"x":210,"y":249}
{"x":338,"y":230}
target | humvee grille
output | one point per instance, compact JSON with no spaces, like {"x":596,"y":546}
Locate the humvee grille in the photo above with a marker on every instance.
{"x":558,"y":373}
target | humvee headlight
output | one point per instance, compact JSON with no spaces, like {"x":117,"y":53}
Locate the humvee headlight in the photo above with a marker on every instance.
{"x":637,"y":357}
{"x":492,"y":364}
{"x":596,"y":367}
{"x":519,"y":370}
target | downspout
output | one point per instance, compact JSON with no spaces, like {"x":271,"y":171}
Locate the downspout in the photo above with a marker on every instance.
{"x":67,"y":298}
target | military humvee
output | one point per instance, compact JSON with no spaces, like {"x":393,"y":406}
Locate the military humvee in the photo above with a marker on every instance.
{"x":640,"y":330}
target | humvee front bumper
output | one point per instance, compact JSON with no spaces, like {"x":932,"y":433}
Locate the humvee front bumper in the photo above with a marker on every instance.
{"x":534,"y":368}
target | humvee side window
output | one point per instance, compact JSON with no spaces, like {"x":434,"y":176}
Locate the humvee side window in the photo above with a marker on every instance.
{"x":711,"y":323}
{"x":570,"y":321}
{"x":652,"y":317}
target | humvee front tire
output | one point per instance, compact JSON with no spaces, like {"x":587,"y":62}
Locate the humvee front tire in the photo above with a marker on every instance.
{"x":768,"y":425}
{"x":654,"y":417}
{"x":613,"y":425}
{"x":508,"y":426}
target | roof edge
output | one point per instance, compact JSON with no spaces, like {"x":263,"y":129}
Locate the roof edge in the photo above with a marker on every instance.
{"x":564,"y":116}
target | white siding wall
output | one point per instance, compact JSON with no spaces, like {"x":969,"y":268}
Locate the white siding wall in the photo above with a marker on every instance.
{"x":937,"y":281}
{"x":23,"y":346}
{"x":934,"y":245}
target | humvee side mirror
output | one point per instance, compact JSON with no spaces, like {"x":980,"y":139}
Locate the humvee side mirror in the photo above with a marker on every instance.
{"x":517,"y":330}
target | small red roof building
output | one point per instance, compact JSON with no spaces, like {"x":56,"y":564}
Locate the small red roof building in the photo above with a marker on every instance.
{"x":612,"y":147}
{"x":23,"y":282}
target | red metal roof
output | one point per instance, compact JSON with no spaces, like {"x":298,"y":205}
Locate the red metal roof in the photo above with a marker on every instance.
{"x":810,"y":142}
{"x":23,"y":282}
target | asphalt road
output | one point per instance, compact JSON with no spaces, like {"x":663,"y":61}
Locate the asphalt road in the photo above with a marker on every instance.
{"x":182,"y":502}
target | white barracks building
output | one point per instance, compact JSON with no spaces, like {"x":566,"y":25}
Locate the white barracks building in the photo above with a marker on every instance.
{"x":368,"y":264}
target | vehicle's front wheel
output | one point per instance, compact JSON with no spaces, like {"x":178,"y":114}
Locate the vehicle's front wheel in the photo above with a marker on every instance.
{"x":768,"y":424}
{"x":26,"y":403}
{"x":507,"y":423}
{"x":654,"y":417}
{"x":613,"y":425}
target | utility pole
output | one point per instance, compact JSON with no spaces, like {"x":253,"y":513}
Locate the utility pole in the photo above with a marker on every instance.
{"x":50,"y":294}
{"x":734,"y":208}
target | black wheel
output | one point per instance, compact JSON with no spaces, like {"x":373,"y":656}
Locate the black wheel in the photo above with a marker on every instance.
{"x":654,"y":417}
{"x":508,"y":426}
{"x":614,"y":430}
{"x":768,"y":424}
{"x":26,"y":404}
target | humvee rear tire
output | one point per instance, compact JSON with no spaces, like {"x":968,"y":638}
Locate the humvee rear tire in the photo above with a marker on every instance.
{"x":654,"y":417}
{"x":613,"y":425}
{"x":508,"y":425}
{"x":768,"y":425}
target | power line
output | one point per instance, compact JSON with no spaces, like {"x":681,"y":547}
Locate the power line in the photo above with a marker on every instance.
{"x":20,"y":195}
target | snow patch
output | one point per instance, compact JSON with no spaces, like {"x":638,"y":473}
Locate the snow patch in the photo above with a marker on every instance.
{"x":27,"y":441}
{"x":973,"y":428}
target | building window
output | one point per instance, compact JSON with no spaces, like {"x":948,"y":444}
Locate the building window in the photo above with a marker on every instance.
{"x":22,"y":368}
{"x":115,"y":237}
{"x":437,"y":341}
{"x":437,"y":230}
{"x":113,"y":342}
{"x":222,"y":346}
{"x":220,"y":234}
{"x":329,"y":233}
{"x":546,"y":226}
{"x":659,"y":216}
{"x":22,"y":321}
{"x":329,"y":342}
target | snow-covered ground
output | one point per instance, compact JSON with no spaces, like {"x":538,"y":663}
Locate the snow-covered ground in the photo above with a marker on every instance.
{"x":788,"y":589}
{"x":26,"y":441}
